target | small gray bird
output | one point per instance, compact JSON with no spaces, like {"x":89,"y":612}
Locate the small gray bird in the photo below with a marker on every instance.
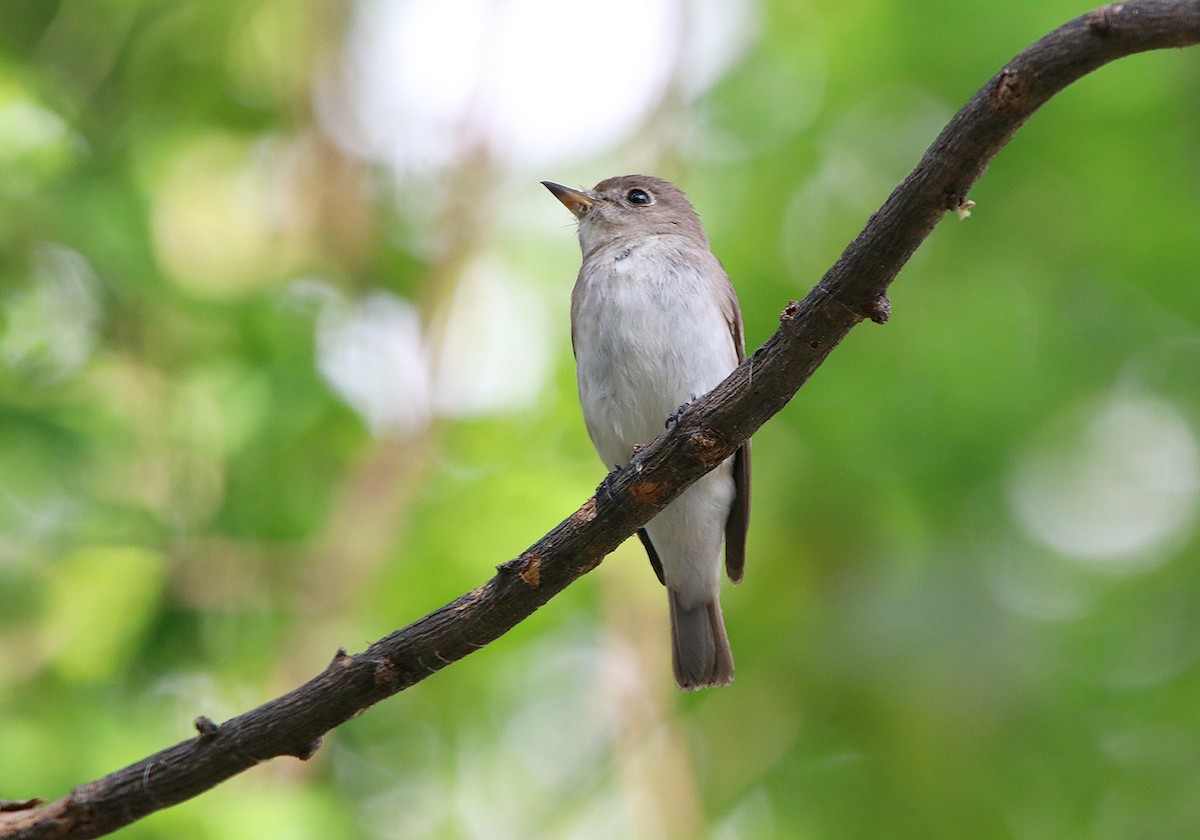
{"x":655,"y":323}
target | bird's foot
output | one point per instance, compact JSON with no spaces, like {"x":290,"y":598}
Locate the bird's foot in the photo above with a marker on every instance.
{"x":605,"y":486}
{"x":674,"y":417}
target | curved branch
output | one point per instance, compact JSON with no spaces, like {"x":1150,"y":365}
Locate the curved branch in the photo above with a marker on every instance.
{"x":707,"y":432}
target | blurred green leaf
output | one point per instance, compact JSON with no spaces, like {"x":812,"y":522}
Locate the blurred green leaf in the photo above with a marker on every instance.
{"x":101,"y":601}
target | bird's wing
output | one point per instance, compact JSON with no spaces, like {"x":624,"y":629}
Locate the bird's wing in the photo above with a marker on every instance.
{"x":655,"y":563}
{"x":738,"y":522}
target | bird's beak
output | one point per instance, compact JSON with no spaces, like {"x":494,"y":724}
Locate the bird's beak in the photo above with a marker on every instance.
{"x":574,"y":200}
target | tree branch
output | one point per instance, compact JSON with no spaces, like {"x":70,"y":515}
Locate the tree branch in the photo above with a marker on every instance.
{"x":707,"y":432}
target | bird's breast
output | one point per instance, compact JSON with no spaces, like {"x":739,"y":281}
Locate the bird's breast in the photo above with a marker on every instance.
{"x":649,"y":333}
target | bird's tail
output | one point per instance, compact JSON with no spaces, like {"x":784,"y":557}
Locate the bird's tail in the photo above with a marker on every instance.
{"x":700,"y":650}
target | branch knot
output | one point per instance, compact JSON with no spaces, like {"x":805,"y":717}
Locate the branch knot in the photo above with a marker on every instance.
{"x":1100,"y":21}
{"x":711,"y":447}
{"x":531,"y":571}
{"x":1008,"y":97}
{"x":880,"y":309}
{"x":207,"y":728}
{"x":647,"y":492}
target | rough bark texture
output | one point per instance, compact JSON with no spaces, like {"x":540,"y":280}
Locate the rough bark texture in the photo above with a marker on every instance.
{"x":707,"y":432}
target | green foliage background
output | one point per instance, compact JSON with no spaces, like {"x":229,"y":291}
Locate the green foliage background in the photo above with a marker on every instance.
{"x":972,"y":604}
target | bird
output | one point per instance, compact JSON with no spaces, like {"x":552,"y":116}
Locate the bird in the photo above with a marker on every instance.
{"x":655,"y":323}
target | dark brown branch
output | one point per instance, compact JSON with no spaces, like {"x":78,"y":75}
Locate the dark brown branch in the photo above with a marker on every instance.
{"x":706,"y":433}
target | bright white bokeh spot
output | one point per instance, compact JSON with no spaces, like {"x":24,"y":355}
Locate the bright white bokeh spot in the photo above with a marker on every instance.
{"x":490,"y":351}
{"x":372,"y":354}
{"x":495,"y":344}
{"x":423,"y":83}
{"x":1116,"y":489}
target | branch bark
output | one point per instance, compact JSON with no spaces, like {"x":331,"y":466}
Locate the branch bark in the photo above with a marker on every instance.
{"x":708,"y":431}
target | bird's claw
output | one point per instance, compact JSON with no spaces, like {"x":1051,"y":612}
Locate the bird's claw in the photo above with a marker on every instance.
{"x":674,"y":416}
{"x":605,"y":485}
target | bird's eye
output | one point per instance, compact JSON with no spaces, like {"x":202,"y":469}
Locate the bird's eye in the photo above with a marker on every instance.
{"x":637,"y":196}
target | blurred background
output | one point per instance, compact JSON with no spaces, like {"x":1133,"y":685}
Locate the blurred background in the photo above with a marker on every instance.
{"x":285,"y":364}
